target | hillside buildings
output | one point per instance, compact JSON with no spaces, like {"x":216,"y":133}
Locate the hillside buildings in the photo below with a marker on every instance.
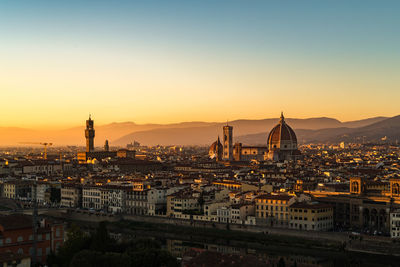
{"x":352,"y":188}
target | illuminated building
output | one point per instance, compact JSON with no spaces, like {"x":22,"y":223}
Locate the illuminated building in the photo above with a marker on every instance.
{"x":228,"y":140}
{"x":216,"y":150}
{"x":311,"y":216}
{"x":282,"y":142}
{"x":281,"y":145}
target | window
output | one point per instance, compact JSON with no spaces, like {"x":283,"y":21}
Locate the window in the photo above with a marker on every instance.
{"x":39,"y":252}
{"x":8,"y":240}
{"x":47,"y":236}
{"x":39,"y":237}
{"x":1,"y":242}
{"x":47,"y":250}
{"x":20,"y":239}
{"x":20,"y":251}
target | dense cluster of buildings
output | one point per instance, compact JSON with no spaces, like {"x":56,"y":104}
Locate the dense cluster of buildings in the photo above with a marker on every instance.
{"x":352,"y":187}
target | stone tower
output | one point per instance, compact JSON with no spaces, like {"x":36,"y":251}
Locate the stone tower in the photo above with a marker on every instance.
{"x":228,"y":140}
{"x":89,"y":134}
{"x":106,"y":146}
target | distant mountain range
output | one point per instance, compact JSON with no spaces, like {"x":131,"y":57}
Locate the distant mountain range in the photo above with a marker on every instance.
{"x":204,"y":133}
{"x":388,"y":128}
{"x":246,"y":131}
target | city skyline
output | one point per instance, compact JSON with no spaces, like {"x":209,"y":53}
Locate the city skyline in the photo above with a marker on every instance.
{"x":158,"y":62}
{"x":199,"y":133}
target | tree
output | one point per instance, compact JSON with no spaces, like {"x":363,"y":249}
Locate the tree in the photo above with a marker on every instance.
{"x":100,"y":250}
{"x":101,"y":240}
{"x":151,"y":257}
{"x":86,"y":258}
{"x":76,"y":240}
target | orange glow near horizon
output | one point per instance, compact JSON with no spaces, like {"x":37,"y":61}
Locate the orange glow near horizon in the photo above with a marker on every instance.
{"x":167,"y":64}
{"x":59,"y":98}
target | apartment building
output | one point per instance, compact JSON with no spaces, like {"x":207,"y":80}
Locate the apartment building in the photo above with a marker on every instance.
{"x":312,"y":216}
{"x":16,"y":236}
{"x":240,"y":212}
{"x":91,"y":197}
{"x":157,"y":199}
{"x":17,"y":189}
{"x":183,"y":202}
{"x":136,"y":201}
{"x":71,"y":195}
{"x":113,"y":198}
{"x":273,"y":209}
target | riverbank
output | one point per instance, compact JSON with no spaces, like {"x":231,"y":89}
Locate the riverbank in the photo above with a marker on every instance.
{"x":254,"y":235}
{"x":182,"y":238}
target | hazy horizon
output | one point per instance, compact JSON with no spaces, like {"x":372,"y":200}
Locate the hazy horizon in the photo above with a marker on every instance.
{"x":82,"y":123}
{"x":252,"y":131}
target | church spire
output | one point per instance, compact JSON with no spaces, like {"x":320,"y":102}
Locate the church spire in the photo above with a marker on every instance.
{"x":282,"y":117}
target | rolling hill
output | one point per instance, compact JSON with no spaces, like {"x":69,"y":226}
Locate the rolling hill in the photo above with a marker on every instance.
{"x":197,"y":133}
{"x":374,"y":132}
{"x":246,"y":131}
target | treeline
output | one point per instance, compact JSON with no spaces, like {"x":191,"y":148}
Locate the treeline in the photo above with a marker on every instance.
{"x":98,"y":249}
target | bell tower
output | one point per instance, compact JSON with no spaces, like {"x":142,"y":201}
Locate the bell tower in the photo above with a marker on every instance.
{"x":228,"y":140}
{"x":89,"y":134}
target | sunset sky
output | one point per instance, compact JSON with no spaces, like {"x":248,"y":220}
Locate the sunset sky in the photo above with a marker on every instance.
{"x":172,"y":61}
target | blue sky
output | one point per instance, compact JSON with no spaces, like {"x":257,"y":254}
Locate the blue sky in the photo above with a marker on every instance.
{"x":169,"y":57}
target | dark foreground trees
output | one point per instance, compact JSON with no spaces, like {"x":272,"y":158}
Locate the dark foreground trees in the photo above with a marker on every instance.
{"x":98,"y":249}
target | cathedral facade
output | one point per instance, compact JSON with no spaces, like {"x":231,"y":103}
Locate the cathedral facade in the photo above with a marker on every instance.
{"x":281,"y":145}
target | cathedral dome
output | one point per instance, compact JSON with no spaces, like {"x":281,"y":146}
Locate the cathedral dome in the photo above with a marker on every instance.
{"x":216,"y":149}
{"x":282,"y":137}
